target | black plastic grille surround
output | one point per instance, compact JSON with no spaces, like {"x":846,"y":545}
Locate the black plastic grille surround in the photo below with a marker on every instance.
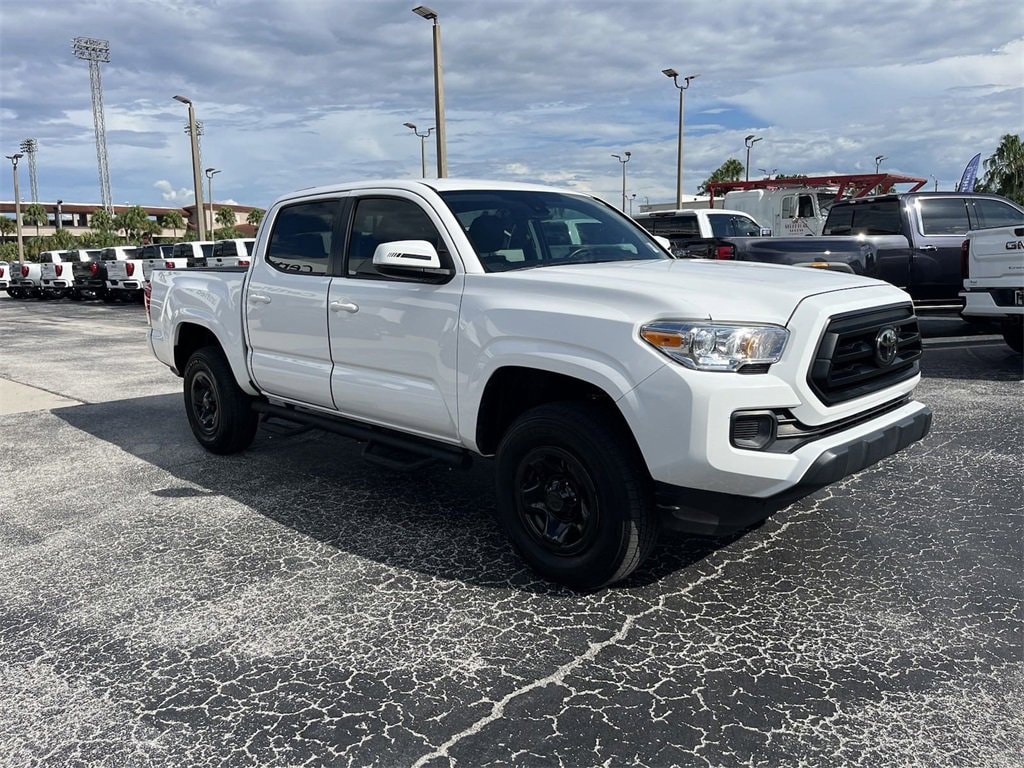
{"x":849,"y":362}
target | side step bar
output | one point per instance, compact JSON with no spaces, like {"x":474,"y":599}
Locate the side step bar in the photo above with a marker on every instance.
{"x":386,"y":447}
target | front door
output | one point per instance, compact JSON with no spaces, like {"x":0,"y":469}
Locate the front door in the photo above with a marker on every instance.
{"x":394,"y":341}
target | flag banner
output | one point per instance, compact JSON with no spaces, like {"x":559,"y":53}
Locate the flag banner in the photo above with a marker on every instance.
{"x":967,"y":180}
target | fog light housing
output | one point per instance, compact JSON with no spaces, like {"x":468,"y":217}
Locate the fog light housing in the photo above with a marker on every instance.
{"x":753,"y":431}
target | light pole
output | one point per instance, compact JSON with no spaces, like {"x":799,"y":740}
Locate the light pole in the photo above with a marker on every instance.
{"x":935,"y":179}
{"x":197,"y":183}
{"x":423,"y":146}
{"x":631,"y":199}
{"x":623,"y":162}
{"x":60,"y":215}
{"x":442,"y":150}
{"x":679,"y":155}
{"x":17,"y":203}
{"x":749,"y":142}
{"x":210,"y":173}
{"x":878,"y":161}
{"x":768,"y":174}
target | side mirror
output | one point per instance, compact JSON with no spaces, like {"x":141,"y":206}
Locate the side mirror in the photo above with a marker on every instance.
{"x":411,"y":259}
{"x":664,"y":242}
{"x":766,"y":231}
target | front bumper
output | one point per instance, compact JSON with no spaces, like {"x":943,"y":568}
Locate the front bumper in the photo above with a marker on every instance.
{"x":709,"y":512}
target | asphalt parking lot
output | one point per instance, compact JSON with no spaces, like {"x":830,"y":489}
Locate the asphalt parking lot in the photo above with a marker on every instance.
{"x":295,"y":606}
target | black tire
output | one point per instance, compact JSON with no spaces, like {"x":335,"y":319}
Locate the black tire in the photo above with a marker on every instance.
{"x":219,"y":412}
{"x":1013,"y":333}
{"x":108,"y":298}
{"x":574,"y":495}
{"x":75,"y":296}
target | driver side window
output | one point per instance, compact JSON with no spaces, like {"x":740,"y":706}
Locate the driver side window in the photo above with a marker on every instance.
{"x":383,"y":220}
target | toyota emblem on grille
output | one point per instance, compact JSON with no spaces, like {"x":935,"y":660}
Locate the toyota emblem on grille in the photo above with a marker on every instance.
{"x":885,"y":346}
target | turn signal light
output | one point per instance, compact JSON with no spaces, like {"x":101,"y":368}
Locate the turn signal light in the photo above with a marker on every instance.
{"x":129,"y":269}
{"x":965,"y":259}
{"x":169,"y":265}
{"x":24,"y":271}
{"x":59,"y":269}
{"x":725,"y":252}
{"x":94,"y":268}
{"x":243,"y":262}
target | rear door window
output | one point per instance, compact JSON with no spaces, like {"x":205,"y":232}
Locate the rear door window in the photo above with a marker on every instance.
{"x":878,"y":217}
{"x":943,"y":216}
{"x":301,"y":240}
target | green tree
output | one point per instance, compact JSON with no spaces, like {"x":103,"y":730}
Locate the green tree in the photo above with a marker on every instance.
{"x":731,"y":170}
{"x":9,"y":252}
{"x":226,"y":217}
{"x":7,"y":226}
{"x":255,"y":217}
{"x":1004,"y":170}
{"x":173,"y":220}
{"x":101,"y":220}
{"x":133,"y":222}
{"x":35,"y":214}
{"x":61,"y":240}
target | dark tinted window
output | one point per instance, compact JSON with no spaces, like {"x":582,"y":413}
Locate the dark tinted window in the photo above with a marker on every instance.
{"x":878,"y":217}
{"x":995,"y":213}
{"x":382,"y":220}
{"x":207,"y":249}
{"x":301,"y":240}
{"x":46,"y":257}
{"x":731,"y":225}
{"x":944,"y":216}
{"x":670,"y":224}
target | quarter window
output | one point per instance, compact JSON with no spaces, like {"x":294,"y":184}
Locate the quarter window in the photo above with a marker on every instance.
{"x":301,"y":240}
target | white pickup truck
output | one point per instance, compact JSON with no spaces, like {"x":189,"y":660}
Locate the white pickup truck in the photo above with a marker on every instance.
{"x":617,"y":389}
{"x":992,"y":264}
{"x":125,"y":278}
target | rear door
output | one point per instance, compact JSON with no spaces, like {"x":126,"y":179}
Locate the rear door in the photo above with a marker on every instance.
{"x":941,"y":224}
{"x":285,"y":304}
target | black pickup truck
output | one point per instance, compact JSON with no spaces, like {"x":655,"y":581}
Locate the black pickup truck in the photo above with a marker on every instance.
{"x":91,"y":276}
{"x":911,"y":240}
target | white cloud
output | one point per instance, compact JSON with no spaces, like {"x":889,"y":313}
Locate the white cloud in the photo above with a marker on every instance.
{"x":172,"y":195}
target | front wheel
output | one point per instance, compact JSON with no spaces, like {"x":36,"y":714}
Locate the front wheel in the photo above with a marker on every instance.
{"x":219,"y":412}
{"x":574,"y":495}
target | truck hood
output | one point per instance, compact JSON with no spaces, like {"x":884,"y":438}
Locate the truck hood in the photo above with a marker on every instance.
{"x":692,"y":288}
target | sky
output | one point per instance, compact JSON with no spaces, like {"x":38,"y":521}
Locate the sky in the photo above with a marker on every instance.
{"x":300,"y":93}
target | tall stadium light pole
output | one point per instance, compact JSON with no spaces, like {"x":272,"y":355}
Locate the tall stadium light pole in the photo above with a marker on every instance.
{"x":623,"y":162}
{"x":97,"y":52}
{"x":682,"y":101}
{"x":210,"y":173}
{"x":423,"y":146}
{"x":442,"y":149}
{"x":17,"y":203}
{"x":197,"y":183}
{"x":749,"y":142}
{"x":30,"y":147}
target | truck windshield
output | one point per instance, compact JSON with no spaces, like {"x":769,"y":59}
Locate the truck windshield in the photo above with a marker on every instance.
{"x":876,"y":217}
{"x":520,"y":229}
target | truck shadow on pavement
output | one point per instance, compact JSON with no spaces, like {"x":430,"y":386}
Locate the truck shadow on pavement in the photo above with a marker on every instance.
{"x":436,"y":521}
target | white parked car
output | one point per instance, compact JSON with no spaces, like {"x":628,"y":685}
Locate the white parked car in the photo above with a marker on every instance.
{"x":992,"y":263}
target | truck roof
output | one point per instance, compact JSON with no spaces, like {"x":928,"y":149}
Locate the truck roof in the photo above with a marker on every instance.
{"x":436,"y":185}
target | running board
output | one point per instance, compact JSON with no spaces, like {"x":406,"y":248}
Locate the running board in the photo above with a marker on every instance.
{"x":384,"y":447}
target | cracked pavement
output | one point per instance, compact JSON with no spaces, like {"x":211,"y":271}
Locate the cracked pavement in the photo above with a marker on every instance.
{"x":296,"y":606}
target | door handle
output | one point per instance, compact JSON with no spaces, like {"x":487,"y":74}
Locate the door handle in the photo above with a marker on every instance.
{"x":344,"y":306}
{"x":928,"y":248}
{"x":259,"y":298}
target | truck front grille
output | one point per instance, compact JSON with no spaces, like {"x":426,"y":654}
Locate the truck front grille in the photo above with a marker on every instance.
{"x":865,"y":351}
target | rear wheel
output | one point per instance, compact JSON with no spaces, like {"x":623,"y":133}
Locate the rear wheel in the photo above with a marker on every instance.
{"x":1013,"y":333}
{"x":219,"y":412}
{"x":574,"y":495}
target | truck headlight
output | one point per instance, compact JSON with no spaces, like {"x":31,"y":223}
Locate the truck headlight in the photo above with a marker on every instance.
{"x":707,"y":346}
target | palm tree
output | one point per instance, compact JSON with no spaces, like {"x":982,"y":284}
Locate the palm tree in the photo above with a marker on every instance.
{"x":255,"y":217}
{"x":1004,"y":170}
{"x":7,"y":226}
{"x":174,"y":221}
{"x":101,"y":220}
{"x":226,"y":217}
{"x":35,"y":214}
